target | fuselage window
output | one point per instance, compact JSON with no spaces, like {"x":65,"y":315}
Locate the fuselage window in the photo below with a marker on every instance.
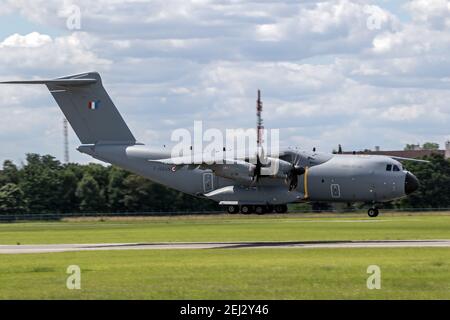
{"x":389,"y":167}
{"x":396,"y":168}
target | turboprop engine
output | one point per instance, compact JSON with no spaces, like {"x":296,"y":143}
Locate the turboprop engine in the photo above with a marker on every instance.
{"x":275,"y":168}
{"x":244,"y":171}
{"x":241,"y":171}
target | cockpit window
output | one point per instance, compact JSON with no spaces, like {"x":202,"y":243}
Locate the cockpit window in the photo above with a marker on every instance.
{"x":396,"y":168}
{"x":389,"y":167}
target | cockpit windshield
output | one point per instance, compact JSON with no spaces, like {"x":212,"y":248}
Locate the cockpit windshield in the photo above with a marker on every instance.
{"x":393,"y":167}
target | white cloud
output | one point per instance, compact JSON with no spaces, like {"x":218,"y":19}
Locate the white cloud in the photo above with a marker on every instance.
{"x":269,"y":32}
{"x":31,"y":40}
{"x":403,"y":113}
{"x":435,"y":13}
{"x":35,"y":51}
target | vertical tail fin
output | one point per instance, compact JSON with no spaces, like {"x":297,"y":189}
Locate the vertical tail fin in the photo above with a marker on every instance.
{"x":88,"y":108}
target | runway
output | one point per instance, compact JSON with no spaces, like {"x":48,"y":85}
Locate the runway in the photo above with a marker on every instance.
{"x":48,"y":248}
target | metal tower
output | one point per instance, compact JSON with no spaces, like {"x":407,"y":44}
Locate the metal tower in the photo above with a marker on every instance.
{"x":259,"y":120}
{"x":66,"y":140}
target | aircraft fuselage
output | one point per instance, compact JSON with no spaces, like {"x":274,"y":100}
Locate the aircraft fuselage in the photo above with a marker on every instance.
{"x":328,"y":177}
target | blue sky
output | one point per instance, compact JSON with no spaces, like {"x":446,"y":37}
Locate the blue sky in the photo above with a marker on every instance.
{"x":396,"y":7}
{"x":16,"y":23}
{"x":358,"y":73}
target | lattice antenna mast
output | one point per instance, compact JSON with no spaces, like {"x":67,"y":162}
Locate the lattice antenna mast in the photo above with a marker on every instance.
{"x":259,"y":120}
{"x":66,"y":140}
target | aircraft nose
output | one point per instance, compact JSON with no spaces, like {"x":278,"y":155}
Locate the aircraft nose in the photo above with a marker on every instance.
{"x":411,"y":183}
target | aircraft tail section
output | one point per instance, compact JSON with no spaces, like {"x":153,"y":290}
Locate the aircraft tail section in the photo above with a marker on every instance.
{"x":88,"y":108}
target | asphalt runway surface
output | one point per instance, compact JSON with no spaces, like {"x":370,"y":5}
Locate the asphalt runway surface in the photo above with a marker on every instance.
{"x":48,"y":248}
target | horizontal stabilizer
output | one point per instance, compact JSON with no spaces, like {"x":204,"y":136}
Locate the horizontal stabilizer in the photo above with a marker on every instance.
{"x":60,"y":82}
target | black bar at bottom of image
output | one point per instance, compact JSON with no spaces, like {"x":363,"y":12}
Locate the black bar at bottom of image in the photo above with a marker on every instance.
{"x":218,"y":309}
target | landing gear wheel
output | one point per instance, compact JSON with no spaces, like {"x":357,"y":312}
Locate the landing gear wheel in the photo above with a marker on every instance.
{"x":281,"y":208}
{"x":246,"y":209}
{"x":232,"y":209}
{"x":373,"y":212}
{"x":260,"y":209}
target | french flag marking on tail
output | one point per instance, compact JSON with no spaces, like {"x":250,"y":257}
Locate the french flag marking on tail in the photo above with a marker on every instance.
{"x":93,"y":105}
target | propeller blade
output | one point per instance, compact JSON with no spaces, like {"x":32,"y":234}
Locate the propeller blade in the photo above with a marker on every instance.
{"x":294,"y":182}
{"x":257,"y":171}
{"x":296,"y":170}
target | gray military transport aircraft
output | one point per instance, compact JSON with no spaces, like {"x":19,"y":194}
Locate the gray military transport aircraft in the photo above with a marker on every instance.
{"x":242,"y":186}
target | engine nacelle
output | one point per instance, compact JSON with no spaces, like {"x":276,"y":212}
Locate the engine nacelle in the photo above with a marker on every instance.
{"x":275,"y":168}
{"x":241,"y":171}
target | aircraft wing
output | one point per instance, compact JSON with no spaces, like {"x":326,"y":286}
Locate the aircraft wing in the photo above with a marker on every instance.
{"x":198,"y":159}
{"x":230,"y":156}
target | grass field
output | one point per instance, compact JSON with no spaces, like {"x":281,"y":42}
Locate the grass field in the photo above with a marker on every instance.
{"x":415,"y":273}
{"x":226,"y":228}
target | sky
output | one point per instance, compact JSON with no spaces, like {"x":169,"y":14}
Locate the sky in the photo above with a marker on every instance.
{"x":359,"y":73}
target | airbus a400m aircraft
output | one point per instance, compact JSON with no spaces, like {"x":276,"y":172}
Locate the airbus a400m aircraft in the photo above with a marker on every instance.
{"x":242,"y":186}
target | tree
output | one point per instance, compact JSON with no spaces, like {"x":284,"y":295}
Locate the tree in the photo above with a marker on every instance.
{"x":434,"y":184}
{"x":137,"y":195}
{"x":69,"y":202}
{"x":411,"y":147}
{"x":116,"y":189}
{"x":47,"y":186}
{"x":89,"y":194}
{"x":9,"y":174}
{"x":425,"y":146}
{"x":40,"y":182}
{"x":430,"y":146}
{"x":100,"y":174}
{"x":11,"y":199}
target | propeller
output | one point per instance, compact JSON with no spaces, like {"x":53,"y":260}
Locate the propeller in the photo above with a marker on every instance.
{"x":292,"y":176}
{"x":258,"y":166}
{"x":295,"y":171}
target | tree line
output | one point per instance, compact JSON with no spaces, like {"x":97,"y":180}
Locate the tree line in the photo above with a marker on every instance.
{"x":44,"y":185}
{"x":434,"y":187}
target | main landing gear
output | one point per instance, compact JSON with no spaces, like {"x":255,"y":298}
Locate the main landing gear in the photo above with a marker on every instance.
{"x":258,"y":209}
{"x":232,"y":209}
{"x":373,"y":212}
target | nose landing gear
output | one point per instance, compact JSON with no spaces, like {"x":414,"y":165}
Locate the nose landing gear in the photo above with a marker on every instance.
{"x":281,"y":208}
{"x":373,"y":212}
